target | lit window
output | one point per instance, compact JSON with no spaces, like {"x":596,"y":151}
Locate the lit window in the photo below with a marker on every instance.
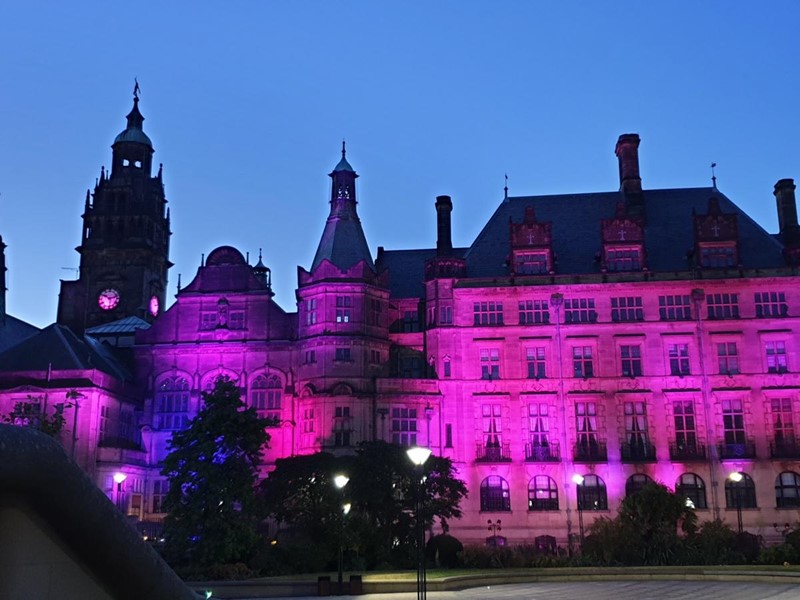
{"x":344,"y":306}
{"x":492,"y":432}
{"x":542,"y":493}
{"x":740,"y":494}
{"x":495,"y":495}
{"x":592,"y":494}
{"x":776,"y":357}
{"x":692,"y":488}
{"x":311,"y":311}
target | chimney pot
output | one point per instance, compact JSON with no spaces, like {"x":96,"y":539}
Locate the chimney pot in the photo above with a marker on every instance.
{"x":787,"y":205}
{"x":627,"y":151}
{"x":444,"y":206}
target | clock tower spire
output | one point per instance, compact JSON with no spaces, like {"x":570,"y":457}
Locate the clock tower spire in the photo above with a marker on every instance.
{"x":125,"y":242}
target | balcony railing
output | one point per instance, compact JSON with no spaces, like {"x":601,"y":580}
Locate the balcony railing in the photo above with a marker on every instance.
{"x":549,"y":452}
{"x":485,"y":453}
{"x":737,"y":450}
{"x":687,"y":451}
{"x":588,"y":452}
{"x":639,"y":452}
{"x":784,"y":449}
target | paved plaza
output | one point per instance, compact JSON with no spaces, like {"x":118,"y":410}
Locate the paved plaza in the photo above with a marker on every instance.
{"x":621,"y":590}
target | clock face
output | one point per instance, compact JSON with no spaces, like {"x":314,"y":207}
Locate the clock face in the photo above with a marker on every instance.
{"x":154,"y":306}
{"x":108,"y":299}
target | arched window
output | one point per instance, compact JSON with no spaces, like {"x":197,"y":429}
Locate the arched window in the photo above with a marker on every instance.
{"x":171,"y":406}
{"x":787,"y":490}
{"x":494,"y":494}
{"x":592,"y":494}
{"x":542,"y":493}
{"x":636,"y":482}
{"x":265,"y":397}
{"x":692,"y":488}
{"x":740,"y":494}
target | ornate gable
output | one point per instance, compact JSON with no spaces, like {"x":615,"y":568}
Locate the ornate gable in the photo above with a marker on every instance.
{"x":716,"y":237}
{"x":623,"y":242}
{"x":531,"y":245}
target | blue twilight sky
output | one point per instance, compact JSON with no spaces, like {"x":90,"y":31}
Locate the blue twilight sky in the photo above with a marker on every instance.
{"x":247,"y":104}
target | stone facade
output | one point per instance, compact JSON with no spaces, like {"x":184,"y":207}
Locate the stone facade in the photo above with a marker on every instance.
{"x":620,"y":337}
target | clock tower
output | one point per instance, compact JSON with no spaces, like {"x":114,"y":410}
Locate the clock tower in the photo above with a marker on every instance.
{"x":125,"y":242}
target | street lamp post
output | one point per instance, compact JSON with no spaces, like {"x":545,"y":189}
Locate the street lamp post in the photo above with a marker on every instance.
{"x":340,"y":481}
{"x":419,"y":456}
{"x":578,"y":479}
{"x":119,"y":479}
{"x":736,"y":477}
{"x":494,"y":527}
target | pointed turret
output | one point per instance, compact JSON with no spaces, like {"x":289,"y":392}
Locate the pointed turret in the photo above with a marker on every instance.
{"x":133,"y":150}
{"x":343,"y":242}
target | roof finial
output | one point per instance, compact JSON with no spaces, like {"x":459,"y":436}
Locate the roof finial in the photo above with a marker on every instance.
{"x":259,"y":254}
{"x":713,"y":176}
{"x":505,"y":189}
{"x":179,"y":282}
{"x":343,"y":149}
{"x":136,"y":90}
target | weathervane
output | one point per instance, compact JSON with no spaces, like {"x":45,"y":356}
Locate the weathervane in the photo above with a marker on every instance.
{"x":505,"y":189}
{"x":713,"y":176}
{"x":136,"y":90}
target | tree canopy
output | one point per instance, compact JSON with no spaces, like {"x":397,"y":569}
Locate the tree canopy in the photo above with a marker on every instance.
{"x":212,"y":513}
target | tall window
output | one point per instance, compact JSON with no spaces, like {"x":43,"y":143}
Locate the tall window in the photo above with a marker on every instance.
{"x":265,"y":397}
{"x":344,"y":309}
{"x":776,"y":357}
{"x":536,"y":362}
{"x":675,"y":308}
{"x":105,"y":423}
{"x":490,"y":363}
{"x":722,"y":306}
{"x":685,"y":429}
{"x":308,"y":427}
{"x":582,"y":365}
{"x":160,"y":489}
{"x":636,"y":426}
{"x":404,"y":426}
{"x":693,"y":488}
{"x":740,"y":494}
{"x":678,"y":359}
{"x":542,"y":493}
{"x":631,"y":360}
{"x":487,"y":313}
{"x":579,"y":310}
{"x":311,"y":311}
{"x":445,"y":315}
{"x":342,"y":427}
{"x":171,"y":409}
{"x":728,"y":357}
{"x":374,"y":317}
{"x":635,"y":483}
{"x":627,"y":308}
{"x":533,"y":312}
{"x":492,"y":430}
{"x":538,"y":430}
{"x":586,"y":425}
{"x":783,"y":424}
{"x":623,"y":259}
{"x":787,"y":490}
{"x":495,"y":496}
{"x":592,"y":494}
{"x":733,"y":425}
{"x":410,"y":322}
{"x":447,"y":367}
{"x":771,"y":304}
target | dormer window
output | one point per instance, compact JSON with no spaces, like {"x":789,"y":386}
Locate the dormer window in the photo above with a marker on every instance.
{"x":718,"y":255}
{"x":623,"y":258}
{"x":531,"y":263}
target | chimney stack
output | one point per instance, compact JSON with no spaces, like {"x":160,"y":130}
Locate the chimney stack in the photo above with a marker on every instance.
{"x":627,"y":152}
{"x":787,"y":206}
{"x":444,"y":244}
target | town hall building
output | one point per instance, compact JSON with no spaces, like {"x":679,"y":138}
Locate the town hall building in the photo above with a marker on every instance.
{"x":560,"y":362}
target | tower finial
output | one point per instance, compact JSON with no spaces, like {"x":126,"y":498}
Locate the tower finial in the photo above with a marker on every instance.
{"x":259,"y":254}
{"x":179,"y":283}
{"x":713,"y":176}
{"x":136,"y":89}
{"x":505,"y":189}
{"x":344,"y":152}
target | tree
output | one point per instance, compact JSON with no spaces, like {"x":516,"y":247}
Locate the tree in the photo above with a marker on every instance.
{"x":212,"y":513}
{"x":645,"y":531}
{"x":300,"y":493}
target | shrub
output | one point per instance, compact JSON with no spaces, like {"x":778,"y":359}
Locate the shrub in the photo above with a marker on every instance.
{"x":233,"y":571}
{"x":779,"y":555}
{"x":442,"y":550}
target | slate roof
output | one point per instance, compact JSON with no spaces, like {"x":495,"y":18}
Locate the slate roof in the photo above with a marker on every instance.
{"x":576,"y":219}
{"x":13,"y":331}
{"x":126,"y":325}
{"x":57,"y":348}
{"x":343,"y":242}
